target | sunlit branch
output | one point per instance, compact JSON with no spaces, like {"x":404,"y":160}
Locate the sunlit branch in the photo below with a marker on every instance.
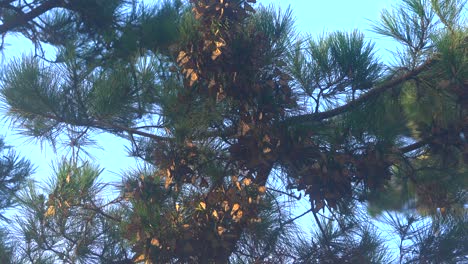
{"x":364,"y":98}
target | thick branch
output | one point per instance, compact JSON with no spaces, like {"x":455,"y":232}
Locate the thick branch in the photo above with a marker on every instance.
{"x":415,"y":146}
{"x":364,"y":98}
{"x":25,"y":18}
{"x":421,"y":143}
{"x":263,"y":172}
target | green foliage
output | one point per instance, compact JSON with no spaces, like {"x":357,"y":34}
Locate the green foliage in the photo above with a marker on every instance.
{"x":333,"y":65}
{"x":408,"y":23}
{"x":272,"y":238}
{"x":85,"y":226}
{"x":440,"y":240}
{"x":6,"y":249}
{"x":14,"y":172}
{"x":344,"y":241}
{"x":235,"y":117}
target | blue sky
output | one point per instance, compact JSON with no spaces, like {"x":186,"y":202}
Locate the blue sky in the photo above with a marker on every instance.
{"x":313,"y":18}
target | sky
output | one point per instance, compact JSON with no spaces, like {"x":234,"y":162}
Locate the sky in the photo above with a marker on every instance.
{"x":313,"y":18}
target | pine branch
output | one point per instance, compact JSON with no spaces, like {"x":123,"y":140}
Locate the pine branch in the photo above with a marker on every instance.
{"x":107,"y":125}
{"x":24,"y":18}
{"x":291,"y":195}
{"x":421,"y":143}
{"x":364,"y":98}
{"x":291,"y":220}
{"x":415,"y":146}
{"x":104,"y":126}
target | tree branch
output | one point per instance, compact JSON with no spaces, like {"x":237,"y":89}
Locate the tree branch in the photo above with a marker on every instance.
{"x":415,"y":146}
{"x":25,"y":18}
{"x":369,"y":95}
{"x":289,"y":221}
{"x":99,"y":124}
{"x":421,"y":143}
{"x":104,"y":125}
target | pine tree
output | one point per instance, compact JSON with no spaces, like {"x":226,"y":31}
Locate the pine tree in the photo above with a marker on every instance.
{"x":236,"y":117}
{"x":14,"y":172}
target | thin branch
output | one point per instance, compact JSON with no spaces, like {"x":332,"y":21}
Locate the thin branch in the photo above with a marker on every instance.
{"x":104,"y":125}
{"x":319,"y":224}
{"x":99,"y":210}
{"x":286,"y":193}
{"x":100,"y":125}
{"x":287,"y":222}
{"x":364,"y":98}
{"x":149,"y":127}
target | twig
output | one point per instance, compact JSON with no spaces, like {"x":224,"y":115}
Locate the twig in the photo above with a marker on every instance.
{"x":287,"y":222}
